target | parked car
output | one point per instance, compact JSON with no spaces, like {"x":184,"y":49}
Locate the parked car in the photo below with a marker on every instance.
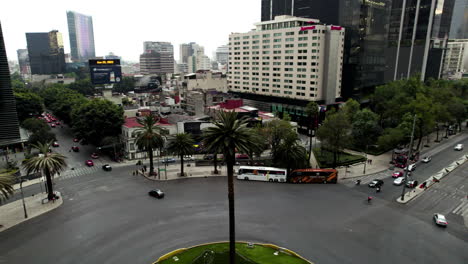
{"x":156,"y":193}
{"x":439,"y":219}
{"x":89,"y":163}
{"x":76,"y":149}
{"x":52,"y":125}
{"x":397,"y":174}
{"x":168,"y":160}
{"x":57,"y":123}
{"x":242,"y":156}
{"x":55,"y":144}
{"x":211,"y":157}
{"x":106,"y":167}
{"x":376,"y":183}
{"x":399,"y":181}
{"x":189,"y":158}
{"x":458,"y":147}
{"x":95,"y":156}
{"x":411,"y":183}
{"x":411,"y":167}
{"x":75,"y":140}
{"x":426,"y":159}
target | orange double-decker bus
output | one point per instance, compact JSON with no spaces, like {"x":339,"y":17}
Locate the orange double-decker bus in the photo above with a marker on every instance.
{"x":313,"y":176}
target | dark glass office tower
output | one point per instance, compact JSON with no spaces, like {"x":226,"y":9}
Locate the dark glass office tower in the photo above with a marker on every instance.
{"x":423,"y":31}
{"x":372,"y":34}
{"x":9,"y":125}
{"x":46,"y":54}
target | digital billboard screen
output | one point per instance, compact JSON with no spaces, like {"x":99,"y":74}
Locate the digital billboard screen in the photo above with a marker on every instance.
{"x":105,"y":71}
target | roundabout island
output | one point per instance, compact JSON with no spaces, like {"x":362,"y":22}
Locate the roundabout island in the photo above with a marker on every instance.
{"x":246,"y":253}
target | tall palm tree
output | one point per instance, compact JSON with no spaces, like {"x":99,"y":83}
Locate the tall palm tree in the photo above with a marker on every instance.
{"x":291,"y":154}
{"x":48,"y":163}
{"x":312,"y":112}
{"x":6,"y":186}
{"x":228,"y":134}
{"x":149,"y":137}
{"x":181,"y":144}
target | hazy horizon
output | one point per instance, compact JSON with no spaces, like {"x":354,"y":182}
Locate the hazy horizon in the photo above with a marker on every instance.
{"x":122,"y":29}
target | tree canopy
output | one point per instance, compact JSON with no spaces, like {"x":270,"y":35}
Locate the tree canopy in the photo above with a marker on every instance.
{"x":96,"y":119}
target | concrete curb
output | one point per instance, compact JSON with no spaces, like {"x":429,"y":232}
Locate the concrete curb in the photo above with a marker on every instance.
{"x":432,"y":180}
{"x":180,"y":250}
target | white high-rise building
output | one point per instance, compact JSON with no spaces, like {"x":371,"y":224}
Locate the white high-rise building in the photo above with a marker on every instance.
{"x":297,"y":58}
{"x":456,"y":58}
{"x":198,"y":61}
{"x":222,"y":54}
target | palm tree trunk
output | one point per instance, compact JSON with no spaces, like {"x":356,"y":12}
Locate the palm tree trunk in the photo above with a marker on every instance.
{"x":182,"y":165}
{"x":215,"y":162}
{"x":150,"y":150}
{"x":50,"y":191}
{"x":232,"y":232}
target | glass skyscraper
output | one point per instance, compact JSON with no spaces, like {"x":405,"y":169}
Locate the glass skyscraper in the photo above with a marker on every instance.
{"x":80,"y":29}
{"x":9,"y":125}
{"x":46,"y":54}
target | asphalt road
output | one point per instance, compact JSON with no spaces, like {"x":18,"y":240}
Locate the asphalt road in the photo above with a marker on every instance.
{"x":109,"y":218}
{"x":442,"y":156}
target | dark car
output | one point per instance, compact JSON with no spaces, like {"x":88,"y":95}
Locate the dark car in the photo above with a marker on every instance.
{"x":75,"y":149}
{"x":168,"y":160}
{"x":55,"y":144}
{"x":376,"y":183}
{"x":106,"y":167}
{"x":156,"y":193}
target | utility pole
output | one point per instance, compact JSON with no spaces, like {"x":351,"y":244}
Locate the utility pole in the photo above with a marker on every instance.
{"x":365,"y":163}
{"x":22,"y":197}
{"x":409,"y":156}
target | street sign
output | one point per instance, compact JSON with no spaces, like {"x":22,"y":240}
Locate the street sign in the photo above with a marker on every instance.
{"x":162,"y":170}
{"x":105,"y":71}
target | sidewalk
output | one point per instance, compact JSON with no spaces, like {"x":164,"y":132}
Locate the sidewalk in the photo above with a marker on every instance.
{"x":12,"y":213}
{"x":172,"y":172}
{"x":382,"y":162}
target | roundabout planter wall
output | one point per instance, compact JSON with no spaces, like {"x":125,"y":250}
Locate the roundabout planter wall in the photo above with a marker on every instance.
{"x":250,"y":252}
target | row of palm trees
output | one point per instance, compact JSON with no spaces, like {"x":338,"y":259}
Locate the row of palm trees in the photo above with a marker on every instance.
{"x":228,"y":135}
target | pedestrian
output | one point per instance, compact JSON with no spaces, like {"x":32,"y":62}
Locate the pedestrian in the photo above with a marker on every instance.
{"x":133,"y":173}
{"x":370,"y":162}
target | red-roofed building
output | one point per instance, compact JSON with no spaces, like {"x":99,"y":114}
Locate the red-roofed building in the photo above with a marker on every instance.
{"x":129,"y":129}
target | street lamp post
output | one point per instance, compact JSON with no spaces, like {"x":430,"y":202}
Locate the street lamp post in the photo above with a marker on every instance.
{"x":409,"y":157}
{"x":22,"y":197}
{"x":365,"y":163}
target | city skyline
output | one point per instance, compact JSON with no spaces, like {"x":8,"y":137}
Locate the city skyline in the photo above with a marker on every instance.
{"x":135,"y":23}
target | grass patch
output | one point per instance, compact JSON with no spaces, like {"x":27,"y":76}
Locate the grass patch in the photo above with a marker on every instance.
{"x":325,"y":158}
{"x":259,"y":254}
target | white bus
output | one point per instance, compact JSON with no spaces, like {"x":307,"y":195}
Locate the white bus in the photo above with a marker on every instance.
{"x":261,"y":174}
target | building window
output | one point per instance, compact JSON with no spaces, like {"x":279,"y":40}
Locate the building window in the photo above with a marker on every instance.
{"x":277,"y":46}
{"x":266,"y":41}
{"x":289,"y":33}
{"x":289,"y":45}
{"x":303,"y":44}
{"x":303,"y":38}
{"x":266,"y":35}
{"x":256,"y":36}
{"x":266,"y":46}
{"x":289,"y":39}
{"x":289,"y":51}
{"x":277,"y":52}
{"x":277,"y":40}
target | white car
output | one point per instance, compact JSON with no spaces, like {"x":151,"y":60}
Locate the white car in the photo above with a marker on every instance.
{"x":458,"y":147}
{"x":426,"y":159}
{"x":188,"y":158}
{"x":399,"y":181}
{"x":411,"y":167}
{"x":439,"y":219}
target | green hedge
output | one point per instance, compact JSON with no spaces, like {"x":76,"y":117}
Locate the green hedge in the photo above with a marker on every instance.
{"x":325,"y":158}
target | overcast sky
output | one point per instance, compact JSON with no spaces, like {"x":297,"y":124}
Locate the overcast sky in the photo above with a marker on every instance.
{"x":122,"y":26}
